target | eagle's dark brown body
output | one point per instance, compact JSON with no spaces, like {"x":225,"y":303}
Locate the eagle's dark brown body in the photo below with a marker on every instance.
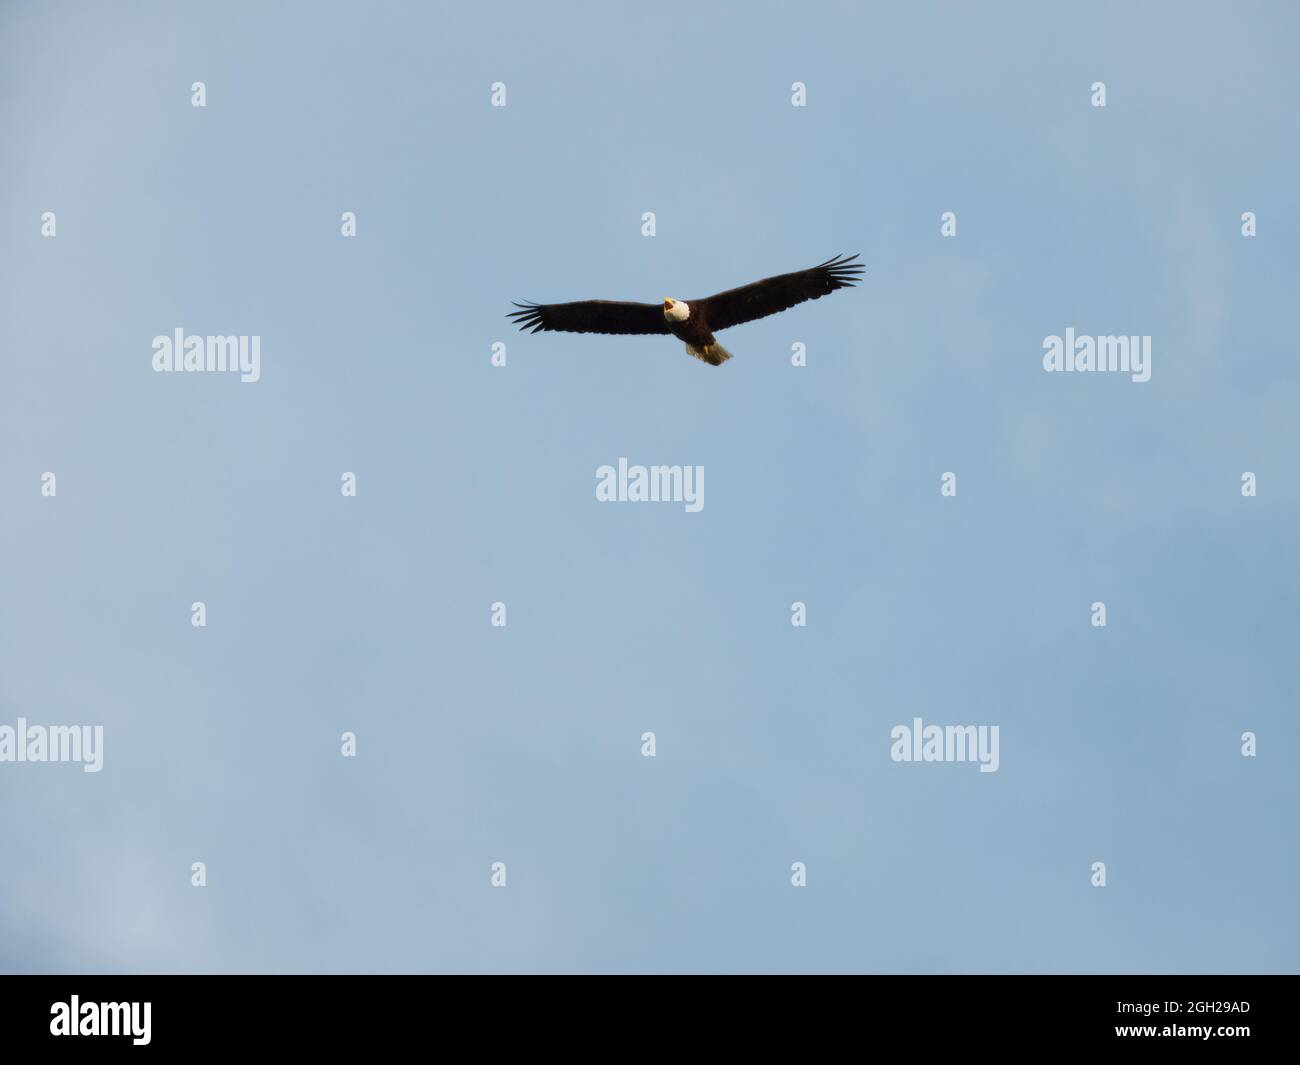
{"x":699,"y":338}
{"x":695,"y":330}
{"x":720,"y":311}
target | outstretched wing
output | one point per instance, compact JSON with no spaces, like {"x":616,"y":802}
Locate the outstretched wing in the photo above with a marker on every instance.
{"x":591,"y":316}
{"x":774,"y":294}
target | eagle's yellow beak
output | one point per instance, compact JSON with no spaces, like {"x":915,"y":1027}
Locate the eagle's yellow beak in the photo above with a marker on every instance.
{"x":667,"y":303}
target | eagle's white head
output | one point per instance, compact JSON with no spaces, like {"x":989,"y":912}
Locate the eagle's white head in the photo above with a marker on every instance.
{"x":676,"y":310}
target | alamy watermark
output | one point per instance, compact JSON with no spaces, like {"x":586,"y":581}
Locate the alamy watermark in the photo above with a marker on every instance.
{"x":652,"y":484}
{"x":217,"y":354}
{"x":53,"y":743}
{"x":102,"y":1018}
{"x":1108,"y":354}
{"x":946,"y":743}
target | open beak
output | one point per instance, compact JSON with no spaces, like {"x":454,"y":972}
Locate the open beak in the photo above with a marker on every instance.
{"x":668,"y":304}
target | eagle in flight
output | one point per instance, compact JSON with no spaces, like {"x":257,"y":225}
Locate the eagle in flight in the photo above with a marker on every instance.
{"x":694,"y":321}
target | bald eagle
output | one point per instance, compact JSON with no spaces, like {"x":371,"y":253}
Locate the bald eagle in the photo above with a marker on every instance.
{"x":694,"y":321}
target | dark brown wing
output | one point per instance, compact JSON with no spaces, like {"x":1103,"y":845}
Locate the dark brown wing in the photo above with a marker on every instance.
{"x":591,"y":316}
{"x":779,"y":293}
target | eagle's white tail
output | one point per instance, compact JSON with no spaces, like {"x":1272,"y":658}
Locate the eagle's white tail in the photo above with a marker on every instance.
{"x":713,"y":354}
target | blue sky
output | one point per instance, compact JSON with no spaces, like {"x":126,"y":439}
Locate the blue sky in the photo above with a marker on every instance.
{"x":476,"y":485}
